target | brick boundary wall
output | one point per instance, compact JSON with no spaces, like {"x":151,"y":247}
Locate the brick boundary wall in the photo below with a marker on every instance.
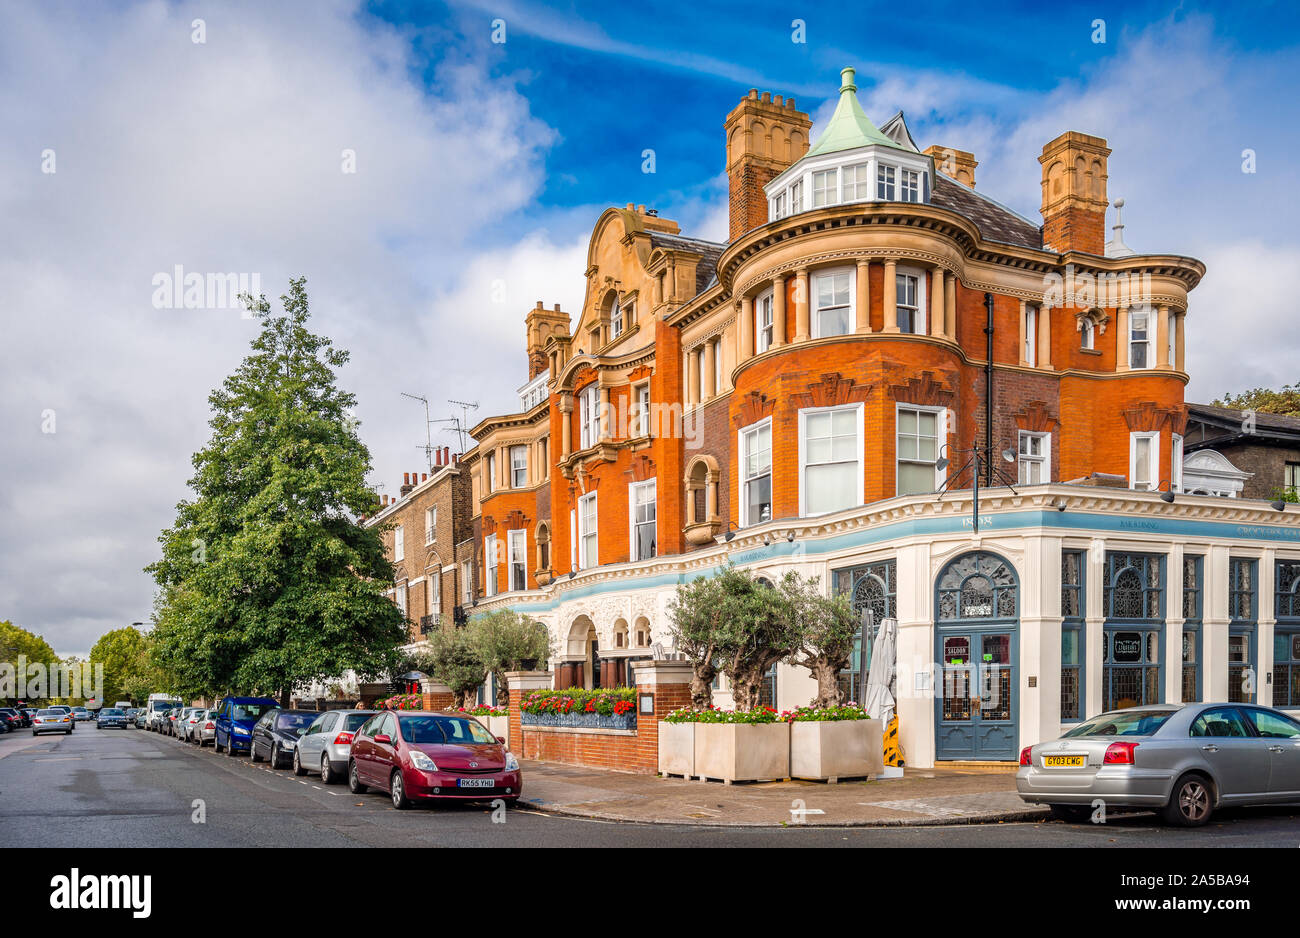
{"x":613,"y":750}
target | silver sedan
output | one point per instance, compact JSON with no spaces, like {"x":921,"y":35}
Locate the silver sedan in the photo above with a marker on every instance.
{"x":326,"y":745}
{"x":1182,"y":761}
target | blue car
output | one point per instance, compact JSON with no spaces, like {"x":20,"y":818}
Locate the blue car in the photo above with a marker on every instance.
{"x":235,"y":719}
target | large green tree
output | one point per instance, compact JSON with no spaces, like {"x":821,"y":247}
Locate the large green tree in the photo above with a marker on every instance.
{"x":1285,"y":401}
{"x":453,"y":660}
{"x":124,"y":653}
{"x":266,"y":579}
{"x":16,"y":641}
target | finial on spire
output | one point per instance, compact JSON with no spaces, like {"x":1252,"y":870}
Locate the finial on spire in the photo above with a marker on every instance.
{"x":846,"y":79}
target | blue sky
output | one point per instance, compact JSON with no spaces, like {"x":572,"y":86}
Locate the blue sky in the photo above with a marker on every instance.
{"x":480,"y":169}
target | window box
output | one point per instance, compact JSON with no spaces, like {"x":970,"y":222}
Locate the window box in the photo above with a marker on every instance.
{"x":677,"y":749}
{"x":834,"y":749}
{"x":742,"y":752}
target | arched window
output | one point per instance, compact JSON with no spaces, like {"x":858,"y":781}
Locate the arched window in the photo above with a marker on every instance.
{"x":978,"y":586}
{"x":543,"y":547}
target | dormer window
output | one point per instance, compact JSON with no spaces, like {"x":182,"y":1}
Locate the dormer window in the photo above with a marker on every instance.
{"x":885,"y":182}
{"x":796,"y":198}
{"x":909,"y":189}
{"x":857,"y":184}
{"x":778,"y":210}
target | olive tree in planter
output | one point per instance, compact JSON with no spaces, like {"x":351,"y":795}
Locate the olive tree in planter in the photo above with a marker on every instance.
{"x":822,"y":632}
{"x":504,"y":640}
{"x":693,"y":620}
{"x":451,"y":658}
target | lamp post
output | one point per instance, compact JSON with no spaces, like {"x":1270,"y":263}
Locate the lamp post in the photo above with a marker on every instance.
{"x":981,"y":460}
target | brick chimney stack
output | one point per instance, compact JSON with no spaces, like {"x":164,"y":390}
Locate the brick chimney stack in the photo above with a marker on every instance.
{"x":955,"y":164}
{"x":1074,"y":193}
{"x":764,"y":138}
{"x":406,"y":484}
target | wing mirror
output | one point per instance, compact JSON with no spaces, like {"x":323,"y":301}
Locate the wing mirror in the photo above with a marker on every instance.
{"x":501,"y":740}
{"x":384,"y":738}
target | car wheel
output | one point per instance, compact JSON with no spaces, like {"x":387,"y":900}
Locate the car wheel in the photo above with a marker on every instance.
{"x":297,"y":764}
{"x":354,"y":780}
{"x":275,"y":759}
{"x":397,"y":788}
{"x":230,"y":747}
{"x":1191,"y":803}
{"x":216,"y":743}
{"x":326,"y":771}
{"x":252,"y":752}
{"x":1070,"y":813}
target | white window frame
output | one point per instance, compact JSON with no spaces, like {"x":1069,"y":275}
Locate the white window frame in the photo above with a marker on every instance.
{"x":886,"y":182}
{"x":586,"y":560}
{"x":764,"y":321}
{"x":1176,"y":463}
{"x":467,"y":582}
{"x":1089,"y":334}
{"x":634,"y":542}
{"x":741,"y":480}
{"x":941,"y":440}
{"x":573,"y":538}
{"x":520,"y":450}
{"x":516,"y":538}
{"x":1153,"y":461}
{"x":778,"y":206}
{"x":828,"y":193}
{"x":920,"y":321}
{"x":641,"y":394}
{"x":796,"y":197}
{"x":1030,"y":338}
{"x":1149,"y":315}
{"x":815,"y":311}
{"x":430,"y":524}
{"x":1172,"y":337}
{"x":433,"y":593}
{"x":400,"y":597}
{"x":589,"y":416}
{"x":1043,"y":458}
{"x":857,"y":410}
{"x":491,"y":558}
{"x":490,"y":472}
{"x":399,"y":543}
{"x":615,"y":319}
{"x":861,"y":184}
{"x":909,"y":184}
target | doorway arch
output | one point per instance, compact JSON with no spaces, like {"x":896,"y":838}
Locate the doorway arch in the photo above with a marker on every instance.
{"x":976,"y":630}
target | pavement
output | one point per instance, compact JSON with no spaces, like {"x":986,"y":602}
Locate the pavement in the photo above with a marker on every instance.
{"x":975,"y":794}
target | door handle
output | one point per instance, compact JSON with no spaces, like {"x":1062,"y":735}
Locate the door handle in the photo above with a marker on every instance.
{"x":1210,"y":748}
{"x":1275,"y":749}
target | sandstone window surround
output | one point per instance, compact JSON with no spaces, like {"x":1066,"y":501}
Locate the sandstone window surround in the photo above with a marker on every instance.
{"x":1035,"y":335}
{"x":703,"y":522}
{"x":708,"y":362}
{"x":821,"y":310}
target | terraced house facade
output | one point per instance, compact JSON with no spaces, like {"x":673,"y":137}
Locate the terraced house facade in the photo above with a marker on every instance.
{"x":812,"y":395}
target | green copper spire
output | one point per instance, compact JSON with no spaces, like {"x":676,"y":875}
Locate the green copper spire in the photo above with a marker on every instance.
{"x":849,"y":126}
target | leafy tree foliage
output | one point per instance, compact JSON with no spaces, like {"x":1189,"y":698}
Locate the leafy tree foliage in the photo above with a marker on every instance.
{"x":1285,"y":401}
{"x":503,"y":640}
{"x":266,"y":580}
{"x":823,"y":630}
{"x":124,"y":653}
{"x":452,"y":659}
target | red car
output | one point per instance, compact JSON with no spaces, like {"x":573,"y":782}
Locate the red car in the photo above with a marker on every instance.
{"x":417,"y":755}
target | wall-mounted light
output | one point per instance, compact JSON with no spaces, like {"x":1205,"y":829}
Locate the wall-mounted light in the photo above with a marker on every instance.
{"x":730,"y":533}
{"x":1278,"y":504}
{"x":789,"y":536}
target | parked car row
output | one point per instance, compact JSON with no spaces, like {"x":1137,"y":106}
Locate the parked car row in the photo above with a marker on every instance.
{"x":412,"y":755}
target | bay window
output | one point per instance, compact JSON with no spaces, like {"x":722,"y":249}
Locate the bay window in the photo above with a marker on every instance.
{"x":830,"y":454}
{"x":910,"y":302}
{"x":796,"y":198}
{"x":587,"y":544}
{"x":832,"y":303}
{"x":885,"y":176}
{"x":778,"y":205}
{"x":756,"y":474}
{"x":641,"y":503}
{"x":518,"y":466}
{"x":909,"y":186}
{"x":918,"y":448}
{"x":1139,"y":338}
{"x":857,"y":184}
{"x":825,"y":187}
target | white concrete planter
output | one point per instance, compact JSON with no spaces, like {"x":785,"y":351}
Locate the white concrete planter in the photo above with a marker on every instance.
{"x":835,"y":749}
{"x":742,"y":752}
{"x":498,"y":726}
{"x":677,"y":748}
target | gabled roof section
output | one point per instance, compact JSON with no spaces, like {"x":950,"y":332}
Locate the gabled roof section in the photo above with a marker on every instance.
{"x":709,"y":251}
{"x":896,"y":130}
{"x":849,"y":127}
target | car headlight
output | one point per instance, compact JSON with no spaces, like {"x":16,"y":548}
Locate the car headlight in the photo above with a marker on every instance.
{"x":422,"y":761}
{"x":512,"y":764}
{"x":240,"y":731}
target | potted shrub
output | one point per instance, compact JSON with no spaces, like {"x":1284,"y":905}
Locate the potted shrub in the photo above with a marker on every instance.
{"x":830,"y":743}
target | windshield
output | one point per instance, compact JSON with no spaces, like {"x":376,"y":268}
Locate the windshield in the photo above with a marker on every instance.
{"x":111,"y":712}
{"x":252,"y":711}
{"x":157,"y":705}
{"x":294,"y":721}
{"x":50,"y":713}
{"x":432,"y":729}
{"x":1124,"y":723}
{"x":353,"y":721}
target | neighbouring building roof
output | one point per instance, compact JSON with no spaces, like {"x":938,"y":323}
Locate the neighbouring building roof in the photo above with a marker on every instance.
{"x":849,"y":127}
{"x":1266,"y":428}
{"x":996,"y":222}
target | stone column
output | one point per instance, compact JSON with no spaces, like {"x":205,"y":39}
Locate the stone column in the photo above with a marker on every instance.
{"x":950,"y":306}
{"x":1173,"y":663}
{"x":862,"y":309}
{"x":937,"y":319}
{"x":709,"y":373}
{"x":746,"y":332}
{"x":566,"y":424}
{"x":1044,"y":337}
{"x":1214,"y":624}
{"x":604,"y":412}
{"x":1024,"y":333}
{"x":1162,"y":337}
{"x":1094,"y":618}
{"x":890,"y":296}
{"x":710,"y":496}
{"x":1267,"y":623}
{"x":801,"y":331}
{"x":1121,"y":341}
{"x":693,"y":376}
{"x":779,"y":331}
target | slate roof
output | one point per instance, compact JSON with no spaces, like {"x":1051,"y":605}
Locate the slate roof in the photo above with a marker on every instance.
{"x":1231,"y":419}
{"x":709,"y":251}
{"x":995,"y":222}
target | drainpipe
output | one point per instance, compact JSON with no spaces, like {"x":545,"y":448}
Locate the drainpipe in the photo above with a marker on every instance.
{"x":988,"y":391}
